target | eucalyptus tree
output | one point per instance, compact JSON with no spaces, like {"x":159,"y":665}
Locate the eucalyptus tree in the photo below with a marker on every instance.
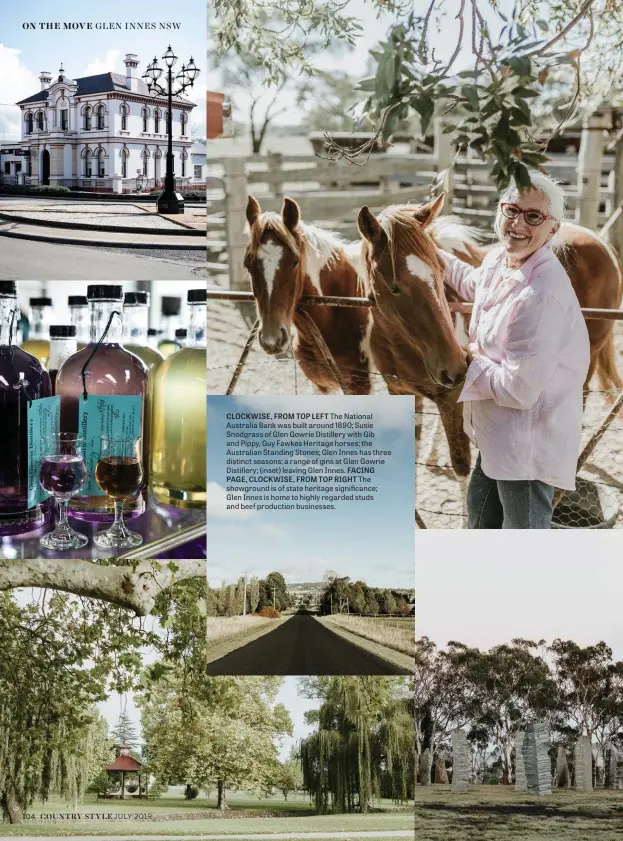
{"x":489,"y":104}
{"x":363,"y":743}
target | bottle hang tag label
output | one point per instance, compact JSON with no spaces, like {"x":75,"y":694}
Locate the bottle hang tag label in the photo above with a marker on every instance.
{"x":114,"y":416}
{"x":43,"y":417}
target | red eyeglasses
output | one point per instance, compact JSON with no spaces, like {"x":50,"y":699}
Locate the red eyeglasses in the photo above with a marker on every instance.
{"x":532,"y":217}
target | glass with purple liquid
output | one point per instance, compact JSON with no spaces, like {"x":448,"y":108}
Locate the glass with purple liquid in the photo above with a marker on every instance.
{"x":63,"y":474}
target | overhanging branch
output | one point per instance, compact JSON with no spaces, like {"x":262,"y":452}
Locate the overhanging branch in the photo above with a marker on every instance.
{"x":134,"y":588}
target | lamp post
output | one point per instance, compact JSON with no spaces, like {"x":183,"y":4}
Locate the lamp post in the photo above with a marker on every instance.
{"x":170,"y":201}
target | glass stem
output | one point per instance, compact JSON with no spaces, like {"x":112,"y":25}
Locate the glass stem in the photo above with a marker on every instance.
{"x":63,"y":522}
{"x":119,"y":525}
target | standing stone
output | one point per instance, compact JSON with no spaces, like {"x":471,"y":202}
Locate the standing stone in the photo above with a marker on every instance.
{"x":583,"y":760}
{"x":441,"y":775}
{"x":425,"y":762}
{"x":536,"y":759}
{"x":562,"y":778}
{"x":521,"y":782}
{"x":611,"y":769}
{"x":460,"y":762}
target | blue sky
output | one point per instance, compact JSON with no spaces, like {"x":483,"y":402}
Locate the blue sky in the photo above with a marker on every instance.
{"x":24,"y":53}
{"x":371,"y":541}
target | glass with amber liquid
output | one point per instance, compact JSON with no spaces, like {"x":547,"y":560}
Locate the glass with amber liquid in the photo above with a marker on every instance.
{"x":135,"y":339}
{"x":104,"y":367}
{"x":38,"y":341}
{"x":178,"y":451}
{"x":119,"y":474}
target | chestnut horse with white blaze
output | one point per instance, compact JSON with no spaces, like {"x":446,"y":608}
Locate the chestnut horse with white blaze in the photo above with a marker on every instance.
{"x":288,"y":259}
{"x":412,"y":341}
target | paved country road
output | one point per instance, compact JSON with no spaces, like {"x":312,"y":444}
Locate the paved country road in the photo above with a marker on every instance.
{"x":276,"y":836}
{"x":302,"y":646}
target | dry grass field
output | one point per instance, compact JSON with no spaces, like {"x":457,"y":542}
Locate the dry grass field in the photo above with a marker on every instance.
{"x":397,"y":633}
{"x":497,"y":813}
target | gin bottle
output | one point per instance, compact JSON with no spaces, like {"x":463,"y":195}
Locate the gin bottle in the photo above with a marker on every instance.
{"x":181,"y":335}
{"x":178,"y":454}
{"x":170,"y":321}
{"x":79,"y":317}
{"x":38,"y":341}
{"x":135,"y":339}
{"x":62,"y":346}
{"x":22,"y":378}
{"x":110,"y":369}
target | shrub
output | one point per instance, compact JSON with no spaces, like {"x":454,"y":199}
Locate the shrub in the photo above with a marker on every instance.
{"x":157,"y":789}
{"x":191,"y":195}
{"x":23,"y":190}
{"x":269,"y":613}
{"x":191,"y":792}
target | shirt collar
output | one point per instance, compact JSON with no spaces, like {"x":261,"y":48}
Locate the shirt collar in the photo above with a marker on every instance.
{"x":523,"y":273}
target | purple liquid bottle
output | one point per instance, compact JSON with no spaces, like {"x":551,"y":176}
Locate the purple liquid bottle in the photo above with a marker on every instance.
{"x":110,"y":371}
{"x":22,"y":378}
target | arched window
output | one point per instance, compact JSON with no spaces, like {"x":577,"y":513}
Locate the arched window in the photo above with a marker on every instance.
{"x":101,"y":166}
{"x":29,"y":123}
{"x":40,"y":121}
{"x":157,"y":163}
{"x":125,"y":110}
{"x":157,"y":121}
{"x":124,"y":163}
{"x":183,"y":121}
{"x":100,"y":116}
{"x":145,"y":156}
{"x":145,"y":113}
{"x":87,"y":118}
{"x":88,"y":158}
{"x":184,"y":157}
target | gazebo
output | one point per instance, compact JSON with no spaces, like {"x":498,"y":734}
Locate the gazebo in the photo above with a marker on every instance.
{"x":123,"y":764}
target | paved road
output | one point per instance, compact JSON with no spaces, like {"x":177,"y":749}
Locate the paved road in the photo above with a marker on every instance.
{"x":27,"y":260}
{"x":302,"y":646}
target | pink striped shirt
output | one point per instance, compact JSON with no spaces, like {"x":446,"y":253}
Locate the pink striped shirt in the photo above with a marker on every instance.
{"x":523,"y":391}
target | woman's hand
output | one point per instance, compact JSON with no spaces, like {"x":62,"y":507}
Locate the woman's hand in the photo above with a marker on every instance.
{"x":472,"y":351}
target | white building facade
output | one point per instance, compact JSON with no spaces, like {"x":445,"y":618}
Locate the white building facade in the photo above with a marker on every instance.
{"x":105,"y":132}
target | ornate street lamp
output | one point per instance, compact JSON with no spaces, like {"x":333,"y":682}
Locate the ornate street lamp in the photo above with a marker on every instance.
{"x":170,"y":201}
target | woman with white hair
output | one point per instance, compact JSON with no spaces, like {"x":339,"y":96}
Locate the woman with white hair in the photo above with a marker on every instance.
{"x":528,"y":359}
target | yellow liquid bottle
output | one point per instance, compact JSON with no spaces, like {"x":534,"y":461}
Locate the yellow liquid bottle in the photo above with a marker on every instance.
{"x":171,"y":307}
{"x":135,"y":339}
{"x":178,"y":451}
{"x":38,"y":341}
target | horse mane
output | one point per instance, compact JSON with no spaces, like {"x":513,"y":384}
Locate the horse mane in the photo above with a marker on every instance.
{"x":405,"y":234}
{"x":451,"y":233}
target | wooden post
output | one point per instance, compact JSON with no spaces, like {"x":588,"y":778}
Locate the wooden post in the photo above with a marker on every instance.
{"x":235,"y":205}
{"x":615,"y":236}
{"x":275,"y":167}
{"x":444,"y":158}
{"x":589,"y":168}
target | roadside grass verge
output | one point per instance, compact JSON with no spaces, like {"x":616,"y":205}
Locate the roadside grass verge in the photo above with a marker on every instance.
{"x":227,"y":633}
{"x":399,"y":635}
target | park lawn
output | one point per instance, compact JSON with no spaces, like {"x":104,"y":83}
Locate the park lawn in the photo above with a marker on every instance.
{"x":491,"y":813}
{"x":195,"y":824}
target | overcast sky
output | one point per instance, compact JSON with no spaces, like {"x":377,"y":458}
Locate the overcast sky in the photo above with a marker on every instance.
{"x":24,"y":53}
{"x":486,"y":588}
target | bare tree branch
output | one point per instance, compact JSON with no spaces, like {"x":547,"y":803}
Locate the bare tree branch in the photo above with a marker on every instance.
{"x":134,"y":588}
{"x":565,"y":30}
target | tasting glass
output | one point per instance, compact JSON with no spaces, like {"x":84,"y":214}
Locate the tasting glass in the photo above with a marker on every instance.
{"x":119,"y":473}
{"x":63,"y":474}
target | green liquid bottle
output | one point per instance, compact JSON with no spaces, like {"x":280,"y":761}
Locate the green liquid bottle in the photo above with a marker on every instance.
{"x":178,"y":451}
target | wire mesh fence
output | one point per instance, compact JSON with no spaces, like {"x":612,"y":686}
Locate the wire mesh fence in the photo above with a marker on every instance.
{"x":597,"y":501}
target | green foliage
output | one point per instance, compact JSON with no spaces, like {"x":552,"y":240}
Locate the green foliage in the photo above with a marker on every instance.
{"x":363,"y":742}
{"x":23,"y":190}
{"x":341,"y":595}
{"x":124,"y":732}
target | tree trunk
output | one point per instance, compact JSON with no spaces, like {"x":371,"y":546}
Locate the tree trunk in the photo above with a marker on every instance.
{"x":10,"y":807}
{"x":222,"y":796}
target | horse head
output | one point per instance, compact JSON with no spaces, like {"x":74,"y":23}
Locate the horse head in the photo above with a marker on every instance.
{"x":404,"y":271}
{"x":273,"y":259}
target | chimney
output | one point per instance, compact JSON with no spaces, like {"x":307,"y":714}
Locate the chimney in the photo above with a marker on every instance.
{"x":45,"y":78}
{"x":131,"y":79}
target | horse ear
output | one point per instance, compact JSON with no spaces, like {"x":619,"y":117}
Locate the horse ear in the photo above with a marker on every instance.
{"x":369,"y":226}
{"x":253,"y":210}
{"x":429,"y":212}
{"x":290,"y":213}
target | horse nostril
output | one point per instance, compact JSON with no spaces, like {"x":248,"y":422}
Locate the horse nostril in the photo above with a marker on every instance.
{"x":449,"y":379}
{"x":284,"y":337}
